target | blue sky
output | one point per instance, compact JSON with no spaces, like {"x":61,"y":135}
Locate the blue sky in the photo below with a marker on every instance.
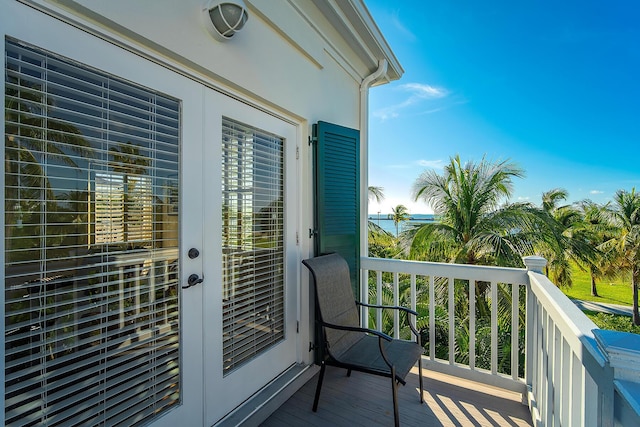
{"x":553,"y":86}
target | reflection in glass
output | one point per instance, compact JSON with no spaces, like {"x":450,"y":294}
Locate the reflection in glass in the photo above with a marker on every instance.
{"x":91,"y":245}
{"x":252,"y":242}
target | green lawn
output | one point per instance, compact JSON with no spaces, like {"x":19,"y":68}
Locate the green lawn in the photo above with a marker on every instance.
{"x":612,"y":292}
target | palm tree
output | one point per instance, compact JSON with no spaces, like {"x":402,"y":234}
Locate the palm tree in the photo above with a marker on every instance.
{"x":376,"y":193}
{"x":551,"y":199}
{"x":399,"y":214}
{"x":382,"y":244}
{"x":34,"y":137}
{"x":597,"y":220}
{"x":572,"y":237}
{"x":626,"y":243}
{"x":476,"y":226}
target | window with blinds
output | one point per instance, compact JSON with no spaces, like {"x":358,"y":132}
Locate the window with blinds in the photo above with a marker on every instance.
{"x":252,"y":242}
{"x":91,"y":245}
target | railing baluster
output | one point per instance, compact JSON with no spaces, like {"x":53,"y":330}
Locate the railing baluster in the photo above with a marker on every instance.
{"x":591,"y":393}
{"x":539,"y":344}
{"x":138,"y":273}
{"x":452,"y":322}
{"x":121,"y":296}
{"x":364,"y":297}
{"x":542,"y":360}
{"x":548,"y":371}
{"x":413,"y":299}
{"x":531,"y":341}
{"x":379,"y":300}
{"x":515,"y":330}
{"x":432,"y":318}
{"x":557,"y":374}
{"x":565,"y":384}
{"x":472,"y":324}
{"x":577,"y":385}
{"x":494,"y":328}
{"x":396,"y":302}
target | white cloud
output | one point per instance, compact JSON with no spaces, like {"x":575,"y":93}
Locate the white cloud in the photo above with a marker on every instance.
{"x":405,"y":166}
{"x":523,"y":199}
{"x":596,"y":192}
{"x":433,"y":164}
{"x":386,"y":113}
{"x":418,"y":93}
{"x":402,"y":29}
{"x":423,"y":91}
{"x":445,"y":107}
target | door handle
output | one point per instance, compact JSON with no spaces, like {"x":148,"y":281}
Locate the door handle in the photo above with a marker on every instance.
{"x":193,"y":280}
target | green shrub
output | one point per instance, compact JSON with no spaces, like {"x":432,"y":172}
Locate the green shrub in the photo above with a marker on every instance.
{"x":613,"y":322}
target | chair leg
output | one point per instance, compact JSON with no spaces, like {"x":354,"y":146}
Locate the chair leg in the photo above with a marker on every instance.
{"x":319,"y":386}
{"x":348,"y":372}
{"x":394,"y":387}
{"x":420,"y":373}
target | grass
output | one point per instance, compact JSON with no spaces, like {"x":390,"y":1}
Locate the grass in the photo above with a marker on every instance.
{"x":611,"y":292}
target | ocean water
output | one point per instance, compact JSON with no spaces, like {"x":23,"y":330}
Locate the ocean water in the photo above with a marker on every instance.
{"x":388,"y":225}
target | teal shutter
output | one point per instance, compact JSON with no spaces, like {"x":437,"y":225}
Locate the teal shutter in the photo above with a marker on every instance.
{"x":337,"y":195}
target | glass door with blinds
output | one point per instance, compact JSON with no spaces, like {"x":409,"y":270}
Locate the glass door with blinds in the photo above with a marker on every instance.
{"x":95,"y":325}
{"x":123,"y":180}
{"x":251,"y":312}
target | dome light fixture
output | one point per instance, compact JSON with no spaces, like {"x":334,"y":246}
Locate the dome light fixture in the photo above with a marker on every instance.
{"x":224,"y":18}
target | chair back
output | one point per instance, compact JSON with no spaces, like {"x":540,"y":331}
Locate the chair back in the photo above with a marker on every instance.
{"x":335,"y":301}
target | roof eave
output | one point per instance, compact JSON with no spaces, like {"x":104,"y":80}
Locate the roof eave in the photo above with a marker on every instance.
{"x":353,"y":20}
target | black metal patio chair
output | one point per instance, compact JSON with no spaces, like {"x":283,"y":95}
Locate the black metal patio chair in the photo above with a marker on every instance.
{"x":345,"y":344}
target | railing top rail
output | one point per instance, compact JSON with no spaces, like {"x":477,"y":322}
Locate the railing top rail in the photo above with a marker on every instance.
{"x":457,"y":271}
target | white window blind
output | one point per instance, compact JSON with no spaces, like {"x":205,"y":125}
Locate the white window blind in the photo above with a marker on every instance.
{"x":91,"y":245}
{"x":253,"y":243}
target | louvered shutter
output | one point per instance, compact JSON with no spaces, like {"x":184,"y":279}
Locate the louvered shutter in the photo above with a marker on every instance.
{"x":337,"y":194}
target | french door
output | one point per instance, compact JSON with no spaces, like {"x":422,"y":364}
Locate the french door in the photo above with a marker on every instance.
{"x":250,"y":225}
{"x":149,"y":239}
{"x":94,"y":206}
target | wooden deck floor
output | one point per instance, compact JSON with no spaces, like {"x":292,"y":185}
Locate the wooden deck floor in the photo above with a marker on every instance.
{"x":365,"y":400}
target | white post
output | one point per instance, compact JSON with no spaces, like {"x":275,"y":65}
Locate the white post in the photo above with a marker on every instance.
{"x":535,"y":263}
{"x":622,"y":350}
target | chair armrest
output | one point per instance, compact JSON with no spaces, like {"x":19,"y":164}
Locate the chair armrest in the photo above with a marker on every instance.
{"x":392,"y":307}
{"x":396,"y":307}
{"x":357,"y":329}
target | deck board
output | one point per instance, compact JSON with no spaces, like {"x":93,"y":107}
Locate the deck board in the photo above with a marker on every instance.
{"x":365,"y":400}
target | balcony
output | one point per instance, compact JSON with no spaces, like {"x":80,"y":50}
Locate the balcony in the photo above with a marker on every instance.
{"x":366,"y":400}
{"x":509,"y":349}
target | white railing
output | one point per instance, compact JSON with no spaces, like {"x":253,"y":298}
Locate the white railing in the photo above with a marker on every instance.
{"x":568,"y":378}
{"x":575,"y":374}
{"x":440,"y":285}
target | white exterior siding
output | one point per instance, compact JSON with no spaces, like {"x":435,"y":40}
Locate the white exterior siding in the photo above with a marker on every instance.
{"x":302,"y":69}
